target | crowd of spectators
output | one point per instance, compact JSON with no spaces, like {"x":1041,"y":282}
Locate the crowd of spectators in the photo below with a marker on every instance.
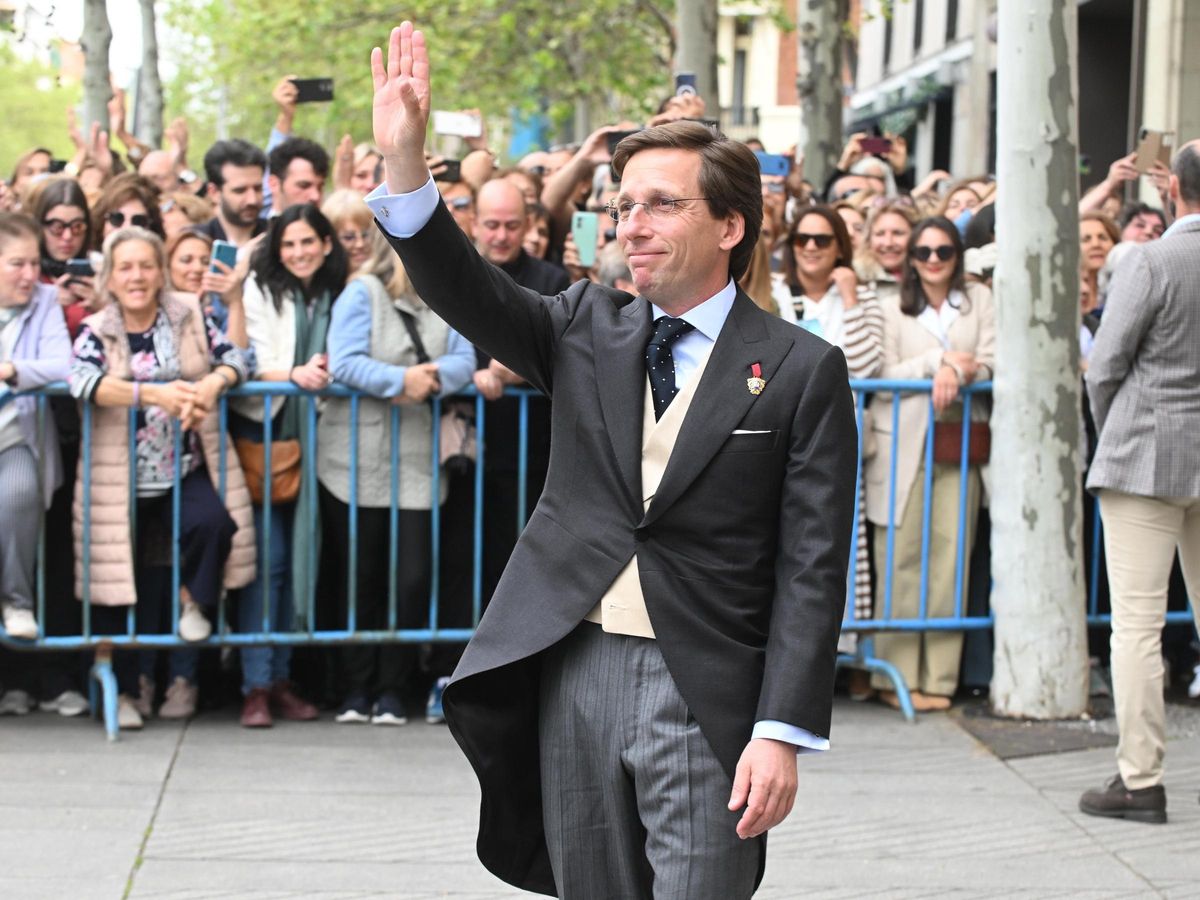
{"x":111,"y":280}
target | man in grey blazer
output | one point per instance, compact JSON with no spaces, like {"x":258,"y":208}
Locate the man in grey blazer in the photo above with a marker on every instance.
{"x":662,"y":643}
{"x":1143,"y":382}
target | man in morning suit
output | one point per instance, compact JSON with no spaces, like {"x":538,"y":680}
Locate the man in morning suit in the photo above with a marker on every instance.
{"x":662,"y":642}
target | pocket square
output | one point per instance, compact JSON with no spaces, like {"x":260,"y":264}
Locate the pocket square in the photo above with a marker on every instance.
{"x":750,"y":431}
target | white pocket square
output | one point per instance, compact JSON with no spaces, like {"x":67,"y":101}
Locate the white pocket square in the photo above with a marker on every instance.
{"x":750,"y":431}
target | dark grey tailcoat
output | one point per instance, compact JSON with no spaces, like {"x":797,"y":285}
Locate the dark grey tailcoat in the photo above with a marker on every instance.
{"x":742,"y":553}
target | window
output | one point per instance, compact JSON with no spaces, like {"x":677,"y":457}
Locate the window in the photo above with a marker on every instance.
{"x":951,"y":20}
{"x":918,"y":25}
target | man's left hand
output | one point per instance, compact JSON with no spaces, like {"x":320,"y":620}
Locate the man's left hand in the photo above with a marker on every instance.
{"x":765,"y":784}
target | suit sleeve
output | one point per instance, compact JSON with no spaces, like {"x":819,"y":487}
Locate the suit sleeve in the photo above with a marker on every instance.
{"x":816,"y":518}
{"x":512,"y":324}
{"x":1132,"y":305}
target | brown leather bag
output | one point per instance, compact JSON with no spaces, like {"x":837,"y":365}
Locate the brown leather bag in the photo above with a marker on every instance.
{"x":947,"y":443}
{"x":285,"y":469}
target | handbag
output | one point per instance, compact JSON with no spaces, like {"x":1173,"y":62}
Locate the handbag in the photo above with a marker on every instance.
{"x":457,"y":437}
{"x":947,"y":443}
{"x":285,"y":469}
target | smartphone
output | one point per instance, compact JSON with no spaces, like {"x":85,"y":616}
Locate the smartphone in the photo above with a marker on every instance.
{"x":57,"y":165}
{"x":685,"y":83}
{"x":615,"y":137}
{"x":711,"y":124}
{"x":80,"y":268}
{"x":452,"y":173}
{"x":1153,"y":146}
{"x":461,"y":124}
{"x":773,"y":164}
{"x":876,"y":146}
{"x":225,"y":252}
{"x":313,"y":90}
{"x":585,"y":231}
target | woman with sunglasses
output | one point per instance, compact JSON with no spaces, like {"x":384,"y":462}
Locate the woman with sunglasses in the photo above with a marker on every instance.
{"x":128,"y":201}
{"x":943,"y":329}
{"x":61,"y":208}
{"x":827,"y":299}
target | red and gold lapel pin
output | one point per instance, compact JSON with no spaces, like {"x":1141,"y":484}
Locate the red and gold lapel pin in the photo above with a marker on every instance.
{"x":755,"y":382}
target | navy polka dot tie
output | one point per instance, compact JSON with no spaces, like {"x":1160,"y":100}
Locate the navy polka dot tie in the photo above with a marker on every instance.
{"x":660,"y":365}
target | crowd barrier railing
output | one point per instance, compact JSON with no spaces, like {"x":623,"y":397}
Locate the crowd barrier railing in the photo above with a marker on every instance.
{"x":103,"y":681}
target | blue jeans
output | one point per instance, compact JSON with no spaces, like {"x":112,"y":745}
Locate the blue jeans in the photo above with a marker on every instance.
{"x":263,"y":666}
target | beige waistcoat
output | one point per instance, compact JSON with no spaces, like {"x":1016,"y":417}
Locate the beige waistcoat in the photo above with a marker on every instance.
{"x":622,"y":609}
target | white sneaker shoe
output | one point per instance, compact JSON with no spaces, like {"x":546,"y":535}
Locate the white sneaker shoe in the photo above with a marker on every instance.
{"x":128,"y":718}
{"x":1194,"y":687}
{"x":16,"y":702}
{"x":180,"y":702}
{"x":19,"y":623}
{"x":68,"y":703}
{"x":193,"y":624}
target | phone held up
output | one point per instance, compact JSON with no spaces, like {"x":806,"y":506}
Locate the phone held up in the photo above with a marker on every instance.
{"x":458,"y":124}
{"x":223,"y":252}
{"x":773,"y":164}
{"x":313,"y":90}
{"x":585,"y":232}
{"x":1153,"y":147}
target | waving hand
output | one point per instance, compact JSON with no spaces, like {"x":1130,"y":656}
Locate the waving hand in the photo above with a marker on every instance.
{"x":401,"y":107}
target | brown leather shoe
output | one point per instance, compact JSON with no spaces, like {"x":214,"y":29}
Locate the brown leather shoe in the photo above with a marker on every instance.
{"x":256,"y":709}
{"x":1115,"y":801}
{"x":929,"y":702}
{"x":289,"y":705}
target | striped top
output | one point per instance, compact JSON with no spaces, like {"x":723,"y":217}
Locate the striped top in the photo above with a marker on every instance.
{"x":861,"y":337}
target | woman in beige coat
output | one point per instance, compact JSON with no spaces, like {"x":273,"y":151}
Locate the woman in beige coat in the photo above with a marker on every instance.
{"x":942,"y":329}
{"x":158,"y":355}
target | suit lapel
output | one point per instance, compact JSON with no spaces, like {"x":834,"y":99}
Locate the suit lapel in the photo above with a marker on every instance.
{"x":722,"y":398}
{"x":620,"y":337}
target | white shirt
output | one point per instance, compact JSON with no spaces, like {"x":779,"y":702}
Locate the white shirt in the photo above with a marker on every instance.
{"x":403,"y":215}
{"x":938,"y":321}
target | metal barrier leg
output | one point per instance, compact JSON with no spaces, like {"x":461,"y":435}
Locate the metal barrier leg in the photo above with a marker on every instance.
{"x":864,"y":660}
{"x":103,"y":674}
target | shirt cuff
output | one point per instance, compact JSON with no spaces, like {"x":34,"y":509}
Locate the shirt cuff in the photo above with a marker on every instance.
{"x":804,"y":741}
{"x":403,"y":215}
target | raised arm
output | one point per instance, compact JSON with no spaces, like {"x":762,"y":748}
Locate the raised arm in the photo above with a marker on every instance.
{"x":400,"y":112}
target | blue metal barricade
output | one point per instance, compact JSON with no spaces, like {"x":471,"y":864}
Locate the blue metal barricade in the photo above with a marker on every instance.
{"x":883,"y":621}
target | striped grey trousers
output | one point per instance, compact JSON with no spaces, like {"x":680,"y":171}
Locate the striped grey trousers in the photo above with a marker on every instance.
{"x":20,"y":516}
{"x":633,"y":798}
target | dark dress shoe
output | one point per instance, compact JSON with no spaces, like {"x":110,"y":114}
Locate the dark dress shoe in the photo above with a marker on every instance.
{"x":1115,"y":801}
{"x":256,"y":710}
{"x":289,"y":705}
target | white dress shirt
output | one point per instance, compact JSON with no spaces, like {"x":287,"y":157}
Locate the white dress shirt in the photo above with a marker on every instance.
{"x":403,"y":215}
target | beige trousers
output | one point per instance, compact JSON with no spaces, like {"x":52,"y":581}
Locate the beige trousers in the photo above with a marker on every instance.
{"x":1141,"y":535}
{"x":928,"y":661}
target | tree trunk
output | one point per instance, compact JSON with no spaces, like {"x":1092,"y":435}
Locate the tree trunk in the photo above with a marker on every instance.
{"x":696,"y":25}
{"x":97,"y":84}
{"x":149,"y":117}
{"x":819,"y":84}
{"x":1037,"y":558}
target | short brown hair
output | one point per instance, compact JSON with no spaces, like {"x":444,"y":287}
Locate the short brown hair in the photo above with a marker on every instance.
{"x":729,"y":177}
{"x":116,"y":194}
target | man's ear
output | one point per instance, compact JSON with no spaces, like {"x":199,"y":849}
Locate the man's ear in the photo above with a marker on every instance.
{"x":733,"y":232}
{"x":274,"y":184}
{"x":212,"y":192}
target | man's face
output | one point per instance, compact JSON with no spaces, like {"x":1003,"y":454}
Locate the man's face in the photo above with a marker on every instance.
{"x":241,"y":196}
{"x":678,"y":258}
{"x":500,"y":222}
{"x":1142,"y":228}
{"x":457,"y":197}
{"x":300,"y":184}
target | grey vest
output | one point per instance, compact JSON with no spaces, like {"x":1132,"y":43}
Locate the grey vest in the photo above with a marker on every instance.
{"x":390,"y":344}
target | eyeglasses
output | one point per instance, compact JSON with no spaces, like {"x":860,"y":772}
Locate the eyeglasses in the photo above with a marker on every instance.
{"x":56,"y":227}
{"x":351,"y":237}
{"x":823,"y":241}
{"x":658,"y":206}
{"x":117,"y":219}
{"x":945,"y":253}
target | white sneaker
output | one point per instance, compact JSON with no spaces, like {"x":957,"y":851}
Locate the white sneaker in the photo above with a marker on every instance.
{"x":1194,"y":687}
{"x":68,"y":703}
{"x":180,"y":702}
{"x":128,"y":718}
{"x":193,"y":624}
{"x":19,"y":623}
{"x":16,"y":702}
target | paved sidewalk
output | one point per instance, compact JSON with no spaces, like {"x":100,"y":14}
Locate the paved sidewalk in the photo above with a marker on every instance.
{"x":329,"y":811}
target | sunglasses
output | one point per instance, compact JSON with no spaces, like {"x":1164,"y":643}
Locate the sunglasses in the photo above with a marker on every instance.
{"x":57,"y":226}
{"x":945,"y":253}
{"x":823,"y":241}
{"x":459,"y":203}
{"x":117,"y":220}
